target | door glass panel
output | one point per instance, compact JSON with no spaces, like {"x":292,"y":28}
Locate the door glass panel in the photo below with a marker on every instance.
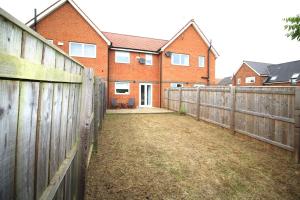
{"x":142,"y":95}
{"x":149,"y":93}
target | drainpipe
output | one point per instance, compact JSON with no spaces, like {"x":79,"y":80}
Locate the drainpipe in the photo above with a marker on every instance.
{"x":160,"y":78}
{"x":208,"y":64}
{"x":107,"y":92}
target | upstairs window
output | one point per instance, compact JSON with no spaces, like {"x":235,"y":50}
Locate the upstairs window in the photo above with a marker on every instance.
{"x":250,"y":79}
{"x":122,"y":88}
{"x":273,"y":78}
{"x":295,"y":75}
{"x":238,"y":81}
{"x":176,"y":85}
{"x":201,"y":61}
{"x":82,"y":50}
{"x":50,"y":41}
{"x":180,"y":59}
{"x":148,"y":59}
{"x":122,"y":57}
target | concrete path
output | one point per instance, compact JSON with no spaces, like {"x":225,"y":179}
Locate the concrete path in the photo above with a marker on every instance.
{"x":138,"y":111}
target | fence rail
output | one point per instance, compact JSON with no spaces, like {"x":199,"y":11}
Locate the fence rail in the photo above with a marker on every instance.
{"x":269,"y":114}
{"x":51,"y":111}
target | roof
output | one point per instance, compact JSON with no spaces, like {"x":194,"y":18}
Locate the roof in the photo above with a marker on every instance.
{"x":191,"y":23}
{"x":283,"y":71}
{"x":259,"y":67}
{"x":60,"y":3}
{"x":226,"y":81}
{"x":134,"y":42}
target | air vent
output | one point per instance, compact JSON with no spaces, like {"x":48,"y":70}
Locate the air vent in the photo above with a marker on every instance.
{"x":142,"y":60}
{"x":168,"y":53}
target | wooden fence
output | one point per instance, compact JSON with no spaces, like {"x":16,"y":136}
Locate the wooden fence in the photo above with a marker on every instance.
{"x":51,"y":111}
{"x":269,"y":114}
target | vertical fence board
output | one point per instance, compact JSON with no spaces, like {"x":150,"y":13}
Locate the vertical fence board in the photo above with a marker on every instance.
{"x":27,"y":121}
{"x":9,"y":99}
{"x":55,"y":129}
{"x":43,"y":134}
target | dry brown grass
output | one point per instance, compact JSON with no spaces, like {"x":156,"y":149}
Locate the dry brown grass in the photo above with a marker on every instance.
{"x":167,"y":156}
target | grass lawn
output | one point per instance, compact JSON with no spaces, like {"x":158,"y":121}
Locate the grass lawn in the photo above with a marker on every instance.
{"x":168,"y":156}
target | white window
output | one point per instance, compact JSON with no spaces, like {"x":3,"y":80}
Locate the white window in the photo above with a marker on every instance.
{"x":176,"y":85}
{"x":295,"y":75}
{"x":82,"y":50}
{"x":273,"y":78}
{"x":238,"y":81}
{"x":122,"y":88}
{"x":50,"y":41}
{"x":180,"y":59}
{"x":250,"y":79}
{"x":122,"y":57}
{"x":199,"y":85}
{"x":201,"y":61}
{"x":148,"y":59}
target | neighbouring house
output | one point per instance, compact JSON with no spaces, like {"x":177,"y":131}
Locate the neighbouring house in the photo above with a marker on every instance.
{"x":226,"y":81}
{"x":258,"y":74}
{"x":284,"y":74}
{"x":133,"y":67}
{"x":251,"y":74}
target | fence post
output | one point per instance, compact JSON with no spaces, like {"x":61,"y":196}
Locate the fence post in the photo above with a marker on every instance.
{"x":168,"y":98}
{"x":85,"y":125}
{"x":297,"y":126}
{"x":180,"y":98}
{"x":97,"y":111}
{"x":232,"y":111}
{"x":198,"y":103}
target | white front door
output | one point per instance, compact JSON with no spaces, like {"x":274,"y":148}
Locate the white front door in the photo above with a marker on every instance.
{"x":145,"y":94}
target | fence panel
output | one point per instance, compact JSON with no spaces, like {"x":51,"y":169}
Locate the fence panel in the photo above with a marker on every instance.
{"x":265,"y":113}
{"x":43,"y":93}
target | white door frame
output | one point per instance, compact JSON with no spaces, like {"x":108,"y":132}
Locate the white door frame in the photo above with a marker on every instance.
{"x":145,"y":92}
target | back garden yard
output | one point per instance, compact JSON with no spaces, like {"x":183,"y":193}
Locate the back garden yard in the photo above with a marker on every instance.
{"x":169,"y":156}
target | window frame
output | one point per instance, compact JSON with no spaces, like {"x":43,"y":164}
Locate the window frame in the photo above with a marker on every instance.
{"x":238,"y":82}
{"x":50,"y":41}
{"x":203,"y":61}
{"x":273,"y":78}
{"x":295,"y":75}
{"x":117,"y":93}
{"x":151,"y":56}
{"x":249,"y":82}
{"x":82,"y":50}
{"x":180,"y":64}
{"x":122,"y":52}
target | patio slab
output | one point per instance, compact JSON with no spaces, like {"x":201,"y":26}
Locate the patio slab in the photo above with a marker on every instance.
{"x":138,"y":111}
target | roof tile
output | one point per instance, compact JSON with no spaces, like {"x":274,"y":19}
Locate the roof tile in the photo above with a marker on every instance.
{"x":135,"y":42}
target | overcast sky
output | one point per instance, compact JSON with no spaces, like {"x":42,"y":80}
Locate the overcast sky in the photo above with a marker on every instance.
{"x":239,"y":29}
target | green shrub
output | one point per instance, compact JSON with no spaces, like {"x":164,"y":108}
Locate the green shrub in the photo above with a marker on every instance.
{"x":182,"y":110}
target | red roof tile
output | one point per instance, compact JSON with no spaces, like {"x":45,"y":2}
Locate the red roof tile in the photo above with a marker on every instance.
{"x":135,"y":42}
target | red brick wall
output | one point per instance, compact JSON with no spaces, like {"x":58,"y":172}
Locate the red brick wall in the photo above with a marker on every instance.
{"x":244,"y":72}
{"x":189,"y":42}
{"x":67,"y":25}
{"x":135,"y":73}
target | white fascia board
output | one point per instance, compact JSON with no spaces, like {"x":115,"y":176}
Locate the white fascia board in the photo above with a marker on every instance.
{"x":198,"y":31}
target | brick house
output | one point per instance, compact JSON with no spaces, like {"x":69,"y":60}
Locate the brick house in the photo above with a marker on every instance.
{"x":258,"y":74}
{"x":133,"y":67}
